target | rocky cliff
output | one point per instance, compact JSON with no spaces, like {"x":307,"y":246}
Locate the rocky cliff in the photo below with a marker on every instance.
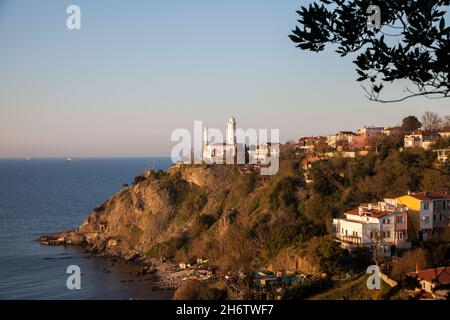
{"x":221,"y":212}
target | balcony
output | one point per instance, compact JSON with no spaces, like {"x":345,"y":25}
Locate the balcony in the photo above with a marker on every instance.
{"x":348,"y":239}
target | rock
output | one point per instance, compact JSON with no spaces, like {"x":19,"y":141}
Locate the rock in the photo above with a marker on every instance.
{"x":226,"y":220}
{"x":76,"y":239}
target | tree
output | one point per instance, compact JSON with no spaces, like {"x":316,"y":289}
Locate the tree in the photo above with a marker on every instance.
{"x":407,"y":263}
{"x":431,"y":121}
{"x":412,"y":44}
{"x":411,"y":123}
{"x":446,"y":121}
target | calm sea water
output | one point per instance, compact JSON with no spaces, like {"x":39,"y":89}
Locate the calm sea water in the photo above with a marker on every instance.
{"x":47,"y":195}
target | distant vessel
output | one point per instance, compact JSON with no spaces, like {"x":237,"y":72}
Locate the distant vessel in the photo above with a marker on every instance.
{"x":28,"y":158}
{"x":68,"y":159}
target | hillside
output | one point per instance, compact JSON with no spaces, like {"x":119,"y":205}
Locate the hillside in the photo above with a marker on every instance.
{"x":241,"y":220}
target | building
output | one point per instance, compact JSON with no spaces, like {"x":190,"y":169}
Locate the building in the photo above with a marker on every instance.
{"x":357,"y":142}
{"x":221,"y":152}
{"x":434,"y":282}
{"x":339,"y":139}
{"x":428,"y":213}
{"x":370,"y":131}
{"x":308,"y":144}
{"x":444,"y":132}
{"x":443,"y":155}
{"x":387,"y":131}
{"x":263,"y":153}
{"x":378,"y":226}
{"x":420,"y":139}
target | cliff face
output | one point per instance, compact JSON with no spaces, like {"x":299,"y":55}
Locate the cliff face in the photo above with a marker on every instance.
{"x":157,"y":209}
{"x":218,"y":212}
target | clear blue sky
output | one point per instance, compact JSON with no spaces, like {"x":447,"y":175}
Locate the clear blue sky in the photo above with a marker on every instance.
{"x":139,"y":69}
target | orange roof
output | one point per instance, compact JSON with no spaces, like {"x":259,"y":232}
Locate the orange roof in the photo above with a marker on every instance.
{"x":374,"y":212}
{"x":439,"y":275}
{"x":430,"y":196}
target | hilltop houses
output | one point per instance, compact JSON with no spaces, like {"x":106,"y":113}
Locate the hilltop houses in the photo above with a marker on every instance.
{"x":340,"y":139}
{"x":428,"y":212}
{"x":379,"y":226}
{"x":394,"y":223}
{"x":370,"y":131}
{"x":230,"y":151}
{"x":444,"y":132}
{"x":420,"y":139}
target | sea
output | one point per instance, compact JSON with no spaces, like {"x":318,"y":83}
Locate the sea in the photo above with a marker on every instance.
{"x":39,"y":196}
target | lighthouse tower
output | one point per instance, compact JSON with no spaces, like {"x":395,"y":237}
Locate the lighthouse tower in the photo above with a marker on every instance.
{"x":231,"y":131}
{"x":205,"y":136}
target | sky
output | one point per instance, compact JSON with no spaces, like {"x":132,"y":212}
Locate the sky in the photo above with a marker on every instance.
{"x":139,"y":69}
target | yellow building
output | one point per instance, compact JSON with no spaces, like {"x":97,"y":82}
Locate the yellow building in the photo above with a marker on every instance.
{"x":428,"y":214}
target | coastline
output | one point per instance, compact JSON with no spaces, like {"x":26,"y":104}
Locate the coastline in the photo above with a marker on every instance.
{"x":161,"y":275}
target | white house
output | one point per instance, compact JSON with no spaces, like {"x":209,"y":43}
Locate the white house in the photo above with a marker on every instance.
{"x":380,"y":226}
{"x":419,"y":139}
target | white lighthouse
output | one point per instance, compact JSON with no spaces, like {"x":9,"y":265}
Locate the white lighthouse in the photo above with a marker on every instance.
{"x":205,"y":136}
{"x":220,"y":152}
{"x":231,"y":131}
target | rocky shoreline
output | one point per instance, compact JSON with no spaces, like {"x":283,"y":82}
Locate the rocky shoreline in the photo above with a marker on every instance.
{"x":165,"y":275}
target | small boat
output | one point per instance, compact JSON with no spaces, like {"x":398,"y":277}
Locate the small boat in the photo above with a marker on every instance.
{"x":28,"y":158}
{"x":68,"y":159}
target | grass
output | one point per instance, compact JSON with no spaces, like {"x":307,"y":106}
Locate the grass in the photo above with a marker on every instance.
{"x":355,"y":289}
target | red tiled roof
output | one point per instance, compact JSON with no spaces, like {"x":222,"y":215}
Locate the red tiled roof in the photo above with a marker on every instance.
{"x":373,"y":212}
{"x":430,"y":196}
{"x":439,"y":275}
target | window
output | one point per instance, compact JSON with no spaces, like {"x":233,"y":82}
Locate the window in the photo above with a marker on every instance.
{"x":426,"y":206}
{"x":441,"y":217}
{"x":443,"y":204}
{"x":400,"y":219}
{"x":434,"y":217}
{"x":371,"y":234}
{"x":388,"y":234}
{"x":384,"y":234}
{"x":388,"y":221}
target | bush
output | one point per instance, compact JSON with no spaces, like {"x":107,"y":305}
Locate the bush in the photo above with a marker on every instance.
{"x":284,"y":235}
{"x":284,"y":193}
{"x":139,"y":179}
{"x":307,"y":288}
{"x":407,"y":263}
{"x":197,"y":290}
{"x":326,"y":254}
{"x":203,"y":222}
